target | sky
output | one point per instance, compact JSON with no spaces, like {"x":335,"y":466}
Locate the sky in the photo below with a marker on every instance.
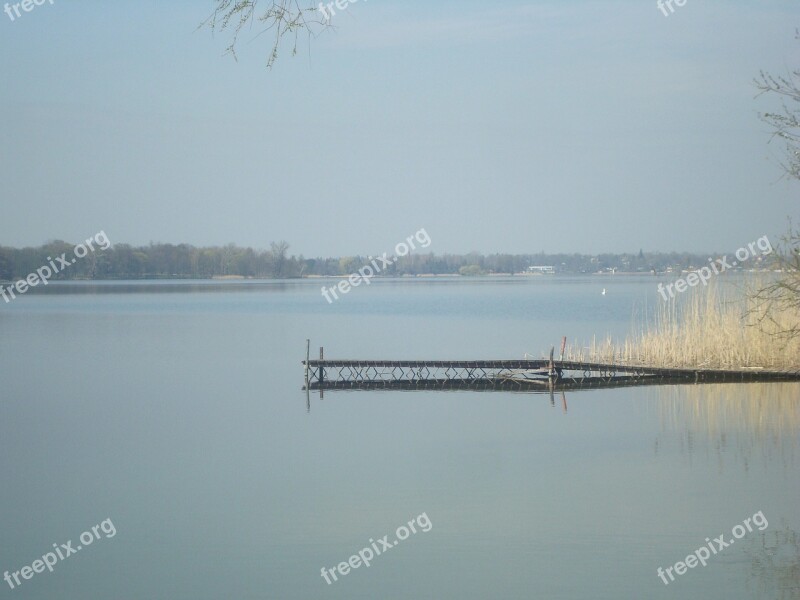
{"x":505,"y":126}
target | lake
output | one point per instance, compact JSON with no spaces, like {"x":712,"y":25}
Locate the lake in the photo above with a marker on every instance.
{"x":174,"y":411}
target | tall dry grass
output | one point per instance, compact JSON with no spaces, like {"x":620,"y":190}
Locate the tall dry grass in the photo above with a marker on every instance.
{"x":710,"y":327}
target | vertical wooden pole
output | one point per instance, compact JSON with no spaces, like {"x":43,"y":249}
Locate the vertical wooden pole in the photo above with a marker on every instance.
{"x":321,"y":373}
{"x":308,"y":349}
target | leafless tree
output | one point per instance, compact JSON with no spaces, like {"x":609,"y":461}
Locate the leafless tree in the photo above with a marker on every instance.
{"x":785,"y":124}
{"x":781,"y":296}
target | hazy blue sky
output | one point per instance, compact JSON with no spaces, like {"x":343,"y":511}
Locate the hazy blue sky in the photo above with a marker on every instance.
{"x":503,"y":126}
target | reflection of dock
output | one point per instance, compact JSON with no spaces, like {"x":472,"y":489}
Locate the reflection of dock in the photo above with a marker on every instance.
{"x":487,"y":385}
{"x":526,"y":374}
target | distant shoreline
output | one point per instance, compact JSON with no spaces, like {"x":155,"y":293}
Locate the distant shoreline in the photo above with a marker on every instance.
{"x":236,"y":278}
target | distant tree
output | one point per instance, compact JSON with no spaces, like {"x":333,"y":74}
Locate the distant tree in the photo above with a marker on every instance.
{"x":6,"y":272}
{"x":349,"y":264}
{"x":278,"y":251}
{"x":280,"y":18}
{"x":471,"y":271}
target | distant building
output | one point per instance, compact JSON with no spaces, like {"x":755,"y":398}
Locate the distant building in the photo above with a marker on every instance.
{"x":541,"y":269}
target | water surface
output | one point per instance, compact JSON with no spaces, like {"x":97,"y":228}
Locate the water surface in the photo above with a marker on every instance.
{"x":175,"y":409}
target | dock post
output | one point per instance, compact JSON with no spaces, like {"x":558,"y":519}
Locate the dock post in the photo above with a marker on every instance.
{"x":308,"y":349}
{"x":321,"y":368}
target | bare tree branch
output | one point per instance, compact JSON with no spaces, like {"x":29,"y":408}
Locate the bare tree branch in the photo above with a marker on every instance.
{"x":785,"y":124}
{"x":777,"y":303}
{"x":281,"y":17}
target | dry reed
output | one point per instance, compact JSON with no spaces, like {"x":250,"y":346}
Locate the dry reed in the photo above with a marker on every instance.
{"x":706,"y":328}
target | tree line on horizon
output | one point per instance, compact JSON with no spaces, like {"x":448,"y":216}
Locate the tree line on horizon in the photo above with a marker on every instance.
{"x":184,"y":261}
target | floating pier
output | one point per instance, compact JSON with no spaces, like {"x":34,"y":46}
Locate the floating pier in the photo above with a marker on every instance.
{"x":523,"y":374}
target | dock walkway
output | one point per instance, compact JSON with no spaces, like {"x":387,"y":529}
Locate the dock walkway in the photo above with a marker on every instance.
{"x":452,"y":374}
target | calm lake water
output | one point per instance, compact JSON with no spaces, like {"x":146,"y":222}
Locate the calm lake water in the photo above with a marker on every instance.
{"x":175,"y":410}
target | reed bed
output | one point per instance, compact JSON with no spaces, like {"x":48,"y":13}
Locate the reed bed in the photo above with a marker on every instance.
{"x":704,"y":328}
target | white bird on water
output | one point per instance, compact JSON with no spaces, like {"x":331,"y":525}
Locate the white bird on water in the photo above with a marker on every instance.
{"x":603,"y":292}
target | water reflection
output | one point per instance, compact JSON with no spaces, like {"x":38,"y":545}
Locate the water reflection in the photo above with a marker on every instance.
{"x":167,"y":286}
{"x":775,"y":564}
{"x":753,"y":426}
{"x":739,"y":422}
{"x":563,"y":400}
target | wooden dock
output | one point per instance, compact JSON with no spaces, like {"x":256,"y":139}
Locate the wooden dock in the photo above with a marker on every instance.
{"x":543,"y":374}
